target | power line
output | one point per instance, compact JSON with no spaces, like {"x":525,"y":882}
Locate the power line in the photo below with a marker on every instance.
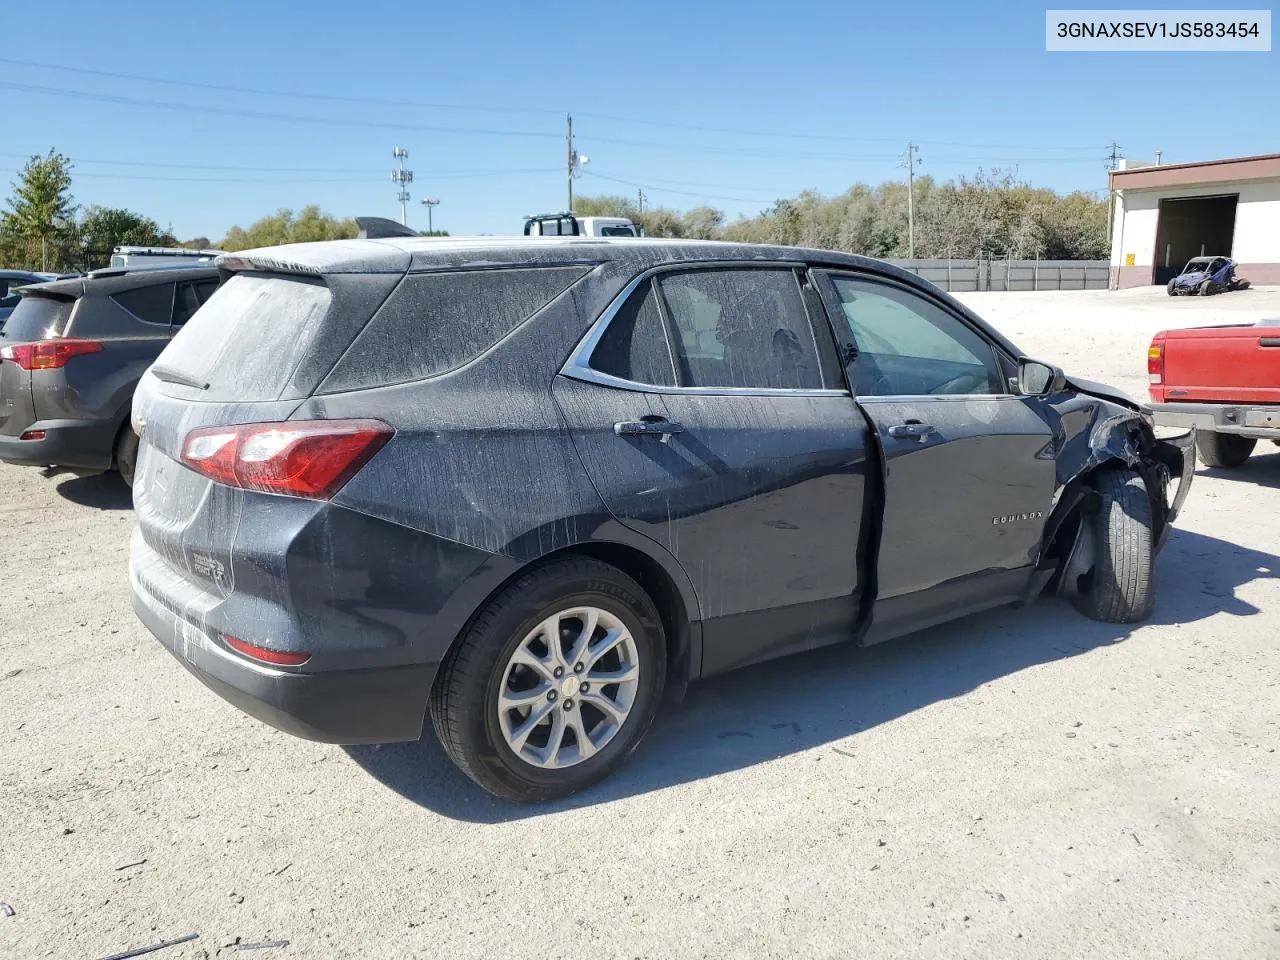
{"x":286,"y":180}
{"x":687,"y":193}
{"x":365,"y":171}
{"x":225,"y":88}
{"x":262,"y":114}
{"x":436,"y":105}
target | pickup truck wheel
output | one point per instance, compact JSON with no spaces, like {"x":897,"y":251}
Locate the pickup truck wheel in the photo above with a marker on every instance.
{"x":1223,"y":449}
{"x":554,"y":683}
{"x":1120,"y":588}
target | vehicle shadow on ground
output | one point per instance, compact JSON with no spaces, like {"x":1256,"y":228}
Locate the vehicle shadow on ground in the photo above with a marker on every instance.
{"x":1260,"y":470}
{"x":103,"y":491}
{"x":805,"y":701}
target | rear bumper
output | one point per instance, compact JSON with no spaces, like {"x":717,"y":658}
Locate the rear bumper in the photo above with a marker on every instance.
{"x":370,"y":705}
{"x":1246,"y":420}
{"x":80,"y":444}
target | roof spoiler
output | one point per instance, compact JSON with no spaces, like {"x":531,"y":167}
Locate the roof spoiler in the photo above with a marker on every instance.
{"x":378,"y":228}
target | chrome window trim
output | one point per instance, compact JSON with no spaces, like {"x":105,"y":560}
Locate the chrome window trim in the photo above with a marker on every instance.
{"x":577,"y":367}
{"x":917,"y":397}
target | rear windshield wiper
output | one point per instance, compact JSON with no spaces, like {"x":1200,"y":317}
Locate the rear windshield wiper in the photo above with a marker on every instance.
{"x":170,"y":375}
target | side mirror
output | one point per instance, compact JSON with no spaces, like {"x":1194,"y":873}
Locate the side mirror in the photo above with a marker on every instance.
{"x":1036,"y":379}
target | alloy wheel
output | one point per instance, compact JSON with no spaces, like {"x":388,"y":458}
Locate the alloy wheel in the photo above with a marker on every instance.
{"x":568,"y":687}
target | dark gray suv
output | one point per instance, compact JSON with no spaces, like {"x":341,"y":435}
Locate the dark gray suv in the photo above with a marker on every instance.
{"x":71,"y":354}
{"x":524,"y":486}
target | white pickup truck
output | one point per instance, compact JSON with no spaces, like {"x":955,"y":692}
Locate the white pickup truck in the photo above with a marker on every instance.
{"x":568,"y":225}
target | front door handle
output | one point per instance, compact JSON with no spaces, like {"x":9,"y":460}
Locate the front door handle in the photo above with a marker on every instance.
{"x":647,"y":428}
{"x":911,"y":430}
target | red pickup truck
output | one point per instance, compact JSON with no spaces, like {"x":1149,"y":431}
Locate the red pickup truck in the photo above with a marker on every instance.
{"x":1224,"y":382}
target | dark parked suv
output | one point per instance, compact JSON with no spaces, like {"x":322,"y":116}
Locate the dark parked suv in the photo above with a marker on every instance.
{"x":525,"y":485}
{"x":71,"y":354}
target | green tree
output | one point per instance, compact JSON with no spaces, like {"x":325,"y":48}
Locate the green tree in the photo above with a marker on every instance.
{"x":987,"y":215}
{"x":38,"y":219}
{"x":101,"y":229}
{"x":284,"y":226}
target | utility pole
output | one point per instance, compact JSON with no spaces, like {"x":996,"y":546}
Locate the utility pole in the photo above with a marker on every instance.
{"x":912,"y":160}
{"x":1113,"y":162}
{"x":402,"y":177}
{"x":576,"y":160}
{"x":569,"y":140}
{"x":429,"y":204}
{"x":640,"y":199}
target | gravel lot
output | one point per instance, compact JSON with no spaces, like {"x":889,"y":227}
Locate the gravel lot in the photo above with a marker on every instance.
{"x":1021,"y":784}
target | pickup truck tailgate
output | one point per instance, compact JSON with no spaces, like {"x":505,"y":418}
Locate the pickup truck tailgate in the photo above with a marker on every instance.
{"x":1238,"y":364}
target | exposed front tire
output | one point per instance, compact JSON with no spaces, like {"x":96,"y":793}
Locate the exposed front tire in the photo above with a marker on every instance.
{"x":1206,"y":288}
{"x":1173,"y":288}
{"x":1120,"y":586}
{"x":1223,"y":449}
{"x":554,"y":683}
{"x":126,"y":455}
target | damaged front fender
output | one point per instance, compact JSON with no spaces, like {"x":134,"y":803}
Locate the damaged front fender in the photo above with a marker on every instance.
{"x":1097,"y":426}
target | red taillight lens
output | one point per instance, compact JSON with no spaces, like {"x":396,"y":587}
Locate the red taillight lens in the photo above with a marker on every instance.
{"x":304,"y":458}
{"x":277,"y":658}
{"x":1155,"y":362}
{"x":48,"y":354}
{"x":33,"y":435}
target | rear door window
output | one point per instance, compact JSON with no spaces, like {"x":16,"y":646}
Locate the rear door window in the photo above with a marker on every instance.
{"x":437,"y":322}
{"x":37,"y":318}
{"x":153,"y":304}
{"x":246,"y":342}
{"x":741,"y":328}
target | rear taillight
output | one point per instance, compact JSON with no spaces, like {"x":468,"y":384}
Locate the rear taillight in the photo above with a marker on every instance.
{"x":48,"y":354}
{"x":277,"y":658}
{"x":33,"y":435}
{"x":1155,"y":362}
{"x":303,"y":458}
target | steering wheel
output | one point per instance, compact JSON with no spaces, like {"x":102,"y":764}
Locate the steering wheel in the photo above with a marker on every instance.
{"x":965,"y":383}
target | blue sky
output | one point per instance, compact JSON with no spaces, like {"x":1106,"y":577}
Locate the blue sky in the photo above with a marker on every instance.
{"x":731,"y":105}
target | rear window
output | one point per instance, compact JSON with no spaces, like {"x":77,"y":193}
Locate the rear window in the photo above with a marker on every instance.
{"x":37,"y":318}
{"x":436,"y":322}
{"x":248,"y":339}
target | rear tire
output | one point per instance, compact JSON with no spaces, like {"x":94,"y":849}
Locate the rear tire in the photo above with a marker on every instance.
{"x":127,"y":454}
{"x":1223,"y":449}
{"x":477,"y":732}
{"x":1121,"y":586}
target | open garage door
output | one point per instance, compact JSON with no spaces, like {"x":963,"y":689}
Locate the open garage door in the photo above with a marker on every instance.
{"x":1192,"y":227}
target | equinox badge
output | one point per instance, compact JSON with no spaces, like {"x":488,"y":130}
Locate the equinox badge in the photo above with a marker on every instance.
{"x":1010,"y":518}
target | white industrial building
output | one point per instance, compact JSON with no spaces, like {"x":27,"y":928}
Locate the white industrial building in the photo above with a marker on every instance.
{"x":1166,"y":214}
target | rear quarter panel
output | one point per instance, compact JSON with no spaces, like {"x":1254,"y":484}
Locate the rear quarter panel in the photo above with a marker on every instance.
{"x":483,"y":458}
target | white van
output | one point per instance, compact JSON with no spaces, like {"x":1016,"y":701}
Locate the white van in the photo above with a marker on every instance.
{"x":568,"y":225}
{"x":135,"y":258}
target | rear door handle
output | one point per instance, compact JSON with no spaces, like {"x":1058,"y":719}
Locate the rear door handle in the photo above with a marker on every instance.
{"x":647,"y":428}
{"x":911,"y":430}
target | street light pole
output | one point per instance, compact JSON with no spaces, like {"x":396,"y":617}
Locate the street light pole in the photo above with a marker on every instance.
{"x":429,"y":204}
